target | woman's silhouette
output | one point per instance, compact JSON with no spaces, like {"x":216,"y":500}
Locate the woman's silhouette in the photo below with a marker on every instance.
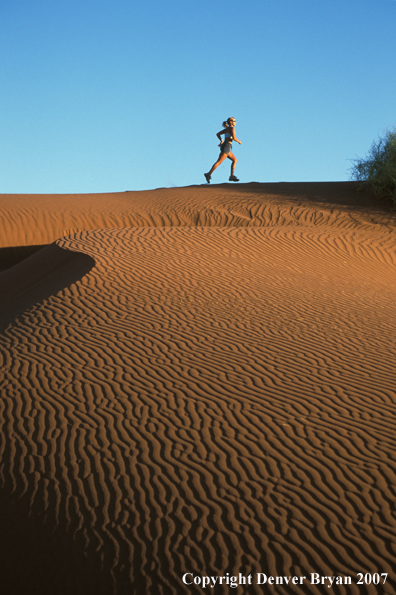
{"x":225,"y":149}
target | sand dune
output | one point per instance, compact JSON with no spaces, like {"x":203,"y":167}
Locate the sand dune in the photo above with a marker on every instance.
{"x":30,"y":220}
{"x":198,"y":380}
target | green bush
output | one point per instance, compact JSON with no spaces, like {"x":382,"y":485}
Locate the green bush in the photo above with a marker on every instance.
{"x":378,"y":169}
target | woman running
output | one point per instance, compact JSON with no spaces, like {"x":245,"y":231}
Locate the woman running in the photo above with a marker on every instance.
{"x":225,"y":149}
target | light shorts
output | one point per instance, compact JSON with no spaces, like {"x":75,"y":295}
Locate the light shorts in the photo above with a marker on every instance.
{"x":226,"y":148}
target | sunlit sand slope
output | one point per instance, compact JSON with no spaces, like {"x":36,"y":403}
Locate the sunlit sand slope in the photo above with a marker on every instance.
{"x":31,"y":220}
{"x":204,"y":400}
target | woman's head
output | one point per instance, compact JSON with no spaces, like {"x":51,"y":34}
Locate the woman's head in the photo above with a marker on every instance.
{"x":231,"y":121}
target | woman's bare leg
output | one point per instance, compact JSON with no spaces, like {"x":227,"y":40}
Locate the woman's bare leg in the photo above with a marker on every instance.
{"x":218,"y":162}
{"x":234,"y":161}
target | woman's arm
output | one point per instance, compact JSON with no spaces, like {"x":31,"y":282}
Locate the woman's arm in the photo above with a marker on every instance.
{"x":220,"y":133}
{"x":234,"y":137}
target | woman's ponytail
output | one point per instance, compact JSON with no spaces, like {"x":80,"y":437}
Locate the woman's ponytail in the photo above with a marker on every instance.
{"x":225,"y":124}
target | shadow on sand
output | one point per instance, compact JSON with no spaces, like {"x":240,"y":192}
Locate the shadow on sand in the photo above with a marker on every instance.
{"x":43,"y":273}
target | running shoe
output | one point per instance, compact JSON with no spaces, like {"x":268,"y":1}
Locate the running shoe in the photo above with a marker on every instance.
{"x":207,"y":176}
{"x":234,"y":179}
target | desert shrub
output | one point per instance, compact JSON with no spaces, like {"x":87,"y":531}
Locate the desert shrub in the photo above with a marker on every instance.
{"x":378,"y":169}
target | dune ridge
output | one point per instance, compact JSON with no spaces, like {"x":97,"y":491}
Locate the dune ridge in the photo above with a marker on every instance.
{"x":28,"y":220}
{"x":203,"y":399}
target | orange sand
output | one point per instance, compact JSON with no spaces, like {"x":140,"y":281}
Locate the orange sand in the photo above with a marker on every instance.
{"x":197,"y":380}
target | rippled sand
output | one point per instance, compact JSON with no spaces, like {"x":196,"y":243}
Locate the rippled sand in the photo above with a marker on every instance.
{"x":197,"y":380}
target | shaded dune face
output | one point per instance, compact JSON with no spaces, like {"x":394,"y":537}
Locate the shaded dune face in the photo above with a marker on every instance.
{"x":202,"y":399}
{"x":12,"y":256}
{"x":41,"y":275}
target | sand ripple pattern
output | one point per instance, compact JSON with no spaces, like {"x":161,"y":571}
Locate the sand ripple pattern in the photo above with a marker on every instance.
{"x":29,"y":220}
{"x":205,"y":400}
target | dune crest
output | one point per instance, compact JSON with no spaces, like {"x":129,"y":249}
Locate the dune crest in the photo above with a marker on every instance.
{"x":28,"y":220}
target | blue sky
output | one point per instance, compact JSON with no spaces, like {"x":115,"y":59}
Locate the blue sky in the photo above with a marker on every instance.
{"x":115,"y":95}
